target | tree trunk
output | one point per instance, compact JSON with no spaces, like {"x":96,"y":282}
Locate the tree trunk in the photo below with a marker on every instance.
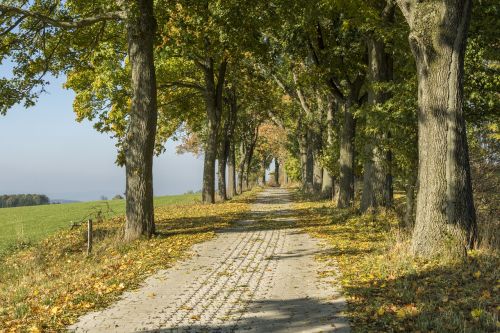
{"x":327,"y":185}
{"x":263,"y":179}
{"x":141,"y":133}
{"x":368,"y":198}
{"x":346,"y":160}
{"x":445,"y":216}
{"x":231,"y":158}
{"x":222,"y":169}
{"x":317,"y":175}
{"x":251,"y":150}
{"x":239,"y":190}
{"x":377,"y":176}
{"x":410,"y":203}
{"x":284,"y":174}
{"x":213,"y":104}
{"x":231,"y":170}
{"x":388,"y":188}
{"x":208,"y":192}
{"x":276,"y":172}
{"x":241,"y":168}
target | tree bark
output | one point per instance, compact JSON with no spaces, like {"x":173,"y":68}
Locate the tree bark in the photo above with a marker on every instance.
{"x":368,"y":198}
{"x":250,"y":154}
{"x":241,"y":167}
{"x":208,"y":191}
{"x":307,"y":160}
{"x":213,"y":104}
{"x":387,"y":186}
{"x":276,"y":172}
{"x":222,"y":169}
{"x":346,"y":160}
{"x":231,"y":170}
{"x":445,"y":216}
{"x":327,"y":185}
{"x":317,"y":175}
{"x":377,"y":176}
{"x":410,"y":203}
{"x":231,"y":158}
{"x":141,"y":133}
{"x":263,"y":179}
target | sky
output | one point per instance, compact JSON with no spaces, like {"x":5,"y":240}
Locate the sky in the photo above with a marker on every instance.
{"x":44,"y":150}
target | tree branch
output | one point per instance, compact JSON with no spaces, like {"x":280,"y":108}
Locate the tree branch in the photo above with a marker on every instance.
{"x":286,"y":90}
{"x":183,"y":84}
{"x":65,"y":24}
{"x":13,"y":26}
{"x":407,"y":7}
{"x":221,"y":77}
{"x":300,"y":95}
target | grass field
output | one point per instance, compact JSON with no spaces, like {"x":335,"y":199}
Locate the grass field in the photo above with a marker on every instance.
{"x":22,"y":225}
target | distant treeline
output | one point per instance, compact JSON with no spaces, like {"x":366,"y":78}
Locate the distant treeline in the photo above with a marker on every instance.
{"x":18,"y":200}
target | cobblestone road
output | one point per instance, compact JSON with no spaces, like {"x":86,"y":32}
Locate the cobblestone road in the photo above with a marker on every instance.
{"x":248,"y":279}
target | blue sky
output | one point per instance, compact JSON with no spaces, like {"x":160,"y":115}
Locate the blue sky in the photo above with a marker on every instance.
{"x":44,"y":150}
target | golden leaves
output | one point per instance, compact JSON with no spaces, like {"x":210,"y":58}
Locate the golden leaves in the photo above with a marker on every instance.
{"x":47,"y":287}
{"x":388,"y":290}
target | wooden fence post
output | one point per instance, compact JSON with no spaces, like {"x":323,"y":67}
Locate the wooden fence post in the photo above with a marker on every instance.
{"x":89,"y":237}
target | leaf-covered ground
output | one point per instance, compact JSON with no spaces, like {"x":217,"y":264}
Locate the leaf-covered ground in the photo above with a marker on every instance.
{"x":49,"y":285}
{"x":388,"y":291}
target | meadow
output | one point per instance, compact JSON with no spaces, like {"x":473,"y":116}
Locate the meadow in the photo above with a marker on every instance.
{"x":21,"y":226}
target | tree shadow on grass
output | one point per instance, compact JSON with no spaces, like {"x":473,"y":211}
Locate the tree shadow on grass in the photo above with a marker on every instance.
{"x":449,"y":298}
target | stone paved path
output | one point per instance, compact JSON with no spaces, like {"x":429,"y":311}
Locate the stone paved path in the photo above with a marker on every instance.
{"x":248,"y":279}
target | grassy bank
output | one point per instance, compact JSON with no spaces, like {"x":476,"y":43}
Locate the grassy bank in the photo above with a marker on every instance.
{"x":389,"y":291}
{"x":24,"y":225}
{"x":46,"y":287}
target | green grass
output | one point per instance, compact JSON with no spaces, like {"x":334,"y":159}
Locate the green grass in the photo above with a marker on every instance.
{"x":24,"y":225}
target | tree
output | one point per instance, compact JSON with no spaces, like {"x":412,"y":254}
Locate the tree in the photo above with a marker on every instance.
{"x":377,"y":175}
{"x":50,"y":24}
{"x":445,"y":220}
{"x":212,"y":36}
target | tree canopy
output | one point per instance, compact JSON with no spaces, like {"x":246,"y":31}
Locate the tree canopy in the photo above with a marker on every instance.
{"x":346,"y":96}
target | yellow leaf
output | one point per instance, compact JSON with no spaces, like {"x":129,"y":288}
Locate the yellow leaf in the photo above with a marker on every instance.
{"x":54,"y":310}
{"x":486,"y":294}
{"x":34,"y":329}
{"x":477,"y":274}
{"x":401,"y":313}
{"x":476,"y":313}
